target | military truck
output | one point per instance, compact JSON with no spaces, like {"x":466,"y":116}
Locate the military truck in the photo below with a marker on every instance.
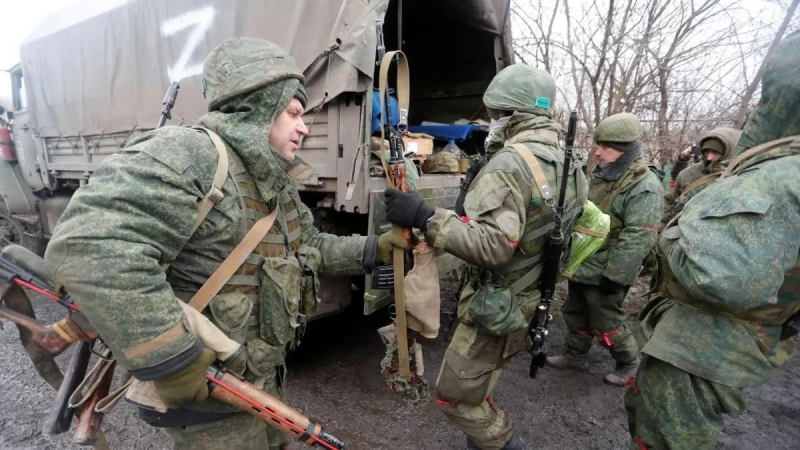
{"x":93,"y":76}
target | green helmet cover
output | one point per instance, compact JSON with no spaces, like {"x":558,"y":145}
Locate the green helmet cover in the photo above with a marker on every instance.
{"x":243,"y":64}
{"x":521,"y":88}
{"x":619,"y":128}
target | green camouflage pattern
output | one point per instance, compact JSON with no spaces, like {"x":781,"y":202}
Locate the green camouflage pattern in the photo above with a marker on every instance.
{"x":776,"y":114}
{"x":725,"y":260}
{"x":521,"y":88}
{"x":136,"y":213}
{"x":241,"y":65}
{"x":634,"y":202}
{"x":669,"y":408}
{"x":622,"y":127}
{"x":502,"y":234}
{"x":590,"y":315}
{"x":443,"y":162}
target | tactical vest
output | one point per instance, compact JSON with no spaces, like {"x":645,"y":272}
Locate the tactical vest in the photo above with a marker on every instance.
{"x":266,"y":302}
{"x":527,"y":262}
{"x":758,"y":319}
{"x":604,"y":192}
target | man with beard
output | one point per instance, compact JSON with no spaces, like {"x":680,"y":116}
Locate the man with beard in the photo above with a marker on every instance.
{"x":624,"y":187}
{"x":140,"y":212}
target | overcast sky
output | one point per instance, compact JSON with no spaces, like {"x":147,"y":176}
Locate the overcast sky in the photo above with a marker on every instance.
{"x":20,"y":18}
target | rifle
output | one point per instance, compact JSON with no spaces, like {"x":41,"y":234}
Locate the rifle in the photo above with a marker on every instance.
{"x":396,"y":177}
{"x":223,"y":386}
{"x":553,"y":253}
{"x":168,"y":103}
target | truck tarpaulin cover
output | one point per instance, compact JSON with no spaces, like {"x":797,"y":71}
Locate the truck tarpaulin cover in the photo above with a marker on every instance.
{"x":102,"y":66}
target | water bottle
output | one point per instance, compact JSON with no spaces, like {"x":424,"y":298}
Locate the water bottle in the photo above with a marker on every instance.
{"x":452,"y":148}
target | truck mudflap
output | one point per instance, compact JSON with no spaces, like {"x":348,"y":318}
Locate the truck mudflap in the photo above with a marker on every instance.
{"x":439,"y":191}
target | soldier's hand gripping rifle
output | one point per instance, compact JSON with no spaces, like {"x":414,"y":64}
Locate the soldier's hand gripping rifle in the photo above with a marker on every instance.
{"x":168,"y":103}
{"x":556,"y":242}
{"x":223,"y":386}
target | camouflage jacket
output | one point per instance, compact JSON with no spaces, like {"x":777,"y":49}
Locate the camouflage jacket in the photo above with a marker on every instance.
{"x":720,"y":306}
{"x":504,"y":229}
{"x":634,"y":202}
{"x":136,"y":213}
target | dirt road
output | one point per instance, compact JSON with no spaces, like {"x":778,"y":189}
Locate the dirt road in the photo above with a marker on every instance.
{"x":335,"y":377}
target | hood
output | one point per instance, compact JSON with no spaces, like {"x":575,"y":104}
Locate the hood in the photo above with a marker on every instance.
{"x":729,"y":138}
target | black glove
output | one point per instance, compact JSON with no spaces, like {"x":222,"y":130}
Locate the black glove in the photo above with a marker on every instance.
{"x":407,"y":209}
{"x":609,"y":287}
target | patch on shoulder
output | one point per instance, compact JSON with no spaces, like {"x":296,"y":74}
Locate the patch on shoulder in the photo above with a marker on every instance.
{"x":509,"y":224}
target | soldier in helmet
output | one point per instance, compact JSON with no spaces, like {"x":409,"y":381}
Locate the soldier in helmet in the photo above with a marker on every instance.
{"x":728,"y":291}
{"x":623,"y":186}
{"x":138,"y":212}
{"x":508,"y":211}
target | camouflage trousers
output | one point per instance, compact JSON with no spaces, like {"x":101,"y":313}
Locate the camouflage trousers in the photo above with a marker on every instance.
{"x":240,"y":431}
{"x":590,"y":314}
{"x":469,"y":374}
{"x":670,"y":408}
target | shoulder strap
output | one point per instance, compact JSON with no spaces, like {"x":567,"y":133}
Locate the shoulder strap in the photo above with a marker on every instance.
{"x":215,"y":194}
{"x":536,"y":170}
{"x":702,"y":181}
{"x":403,"y":98}
{"x":743,"y":157}
{"x":237,"y":257}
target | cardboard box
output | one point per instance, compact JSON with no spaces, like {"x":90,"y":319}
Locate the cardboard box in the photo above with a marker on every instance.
{"x":419,"y":144}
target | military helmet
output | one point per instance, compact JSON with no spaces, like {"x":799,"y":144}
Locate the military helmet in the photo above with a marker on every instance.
{"x":243,"y":64}
{"x":521,"y":88}
{"x":619,"y":131}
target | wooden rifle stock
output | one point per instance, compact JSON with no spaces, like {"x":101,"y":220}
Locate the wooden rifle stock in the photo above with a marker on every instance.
{"x":226,"y":388}
{"x":88,"y":429}
{"x":44,"y":335}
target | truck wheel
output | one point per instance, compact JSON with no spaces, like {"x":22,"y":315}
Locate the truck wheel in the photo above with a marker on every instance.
{"x":13,"y":232}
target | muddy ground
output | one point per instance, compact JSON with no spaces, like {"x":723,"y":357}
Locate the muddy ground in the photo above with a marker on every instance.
{"x":335,"y":377}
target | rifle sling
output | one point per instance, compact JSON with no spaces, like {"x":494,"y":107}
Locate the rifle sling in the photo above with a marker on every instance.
{"x":403,"y":81}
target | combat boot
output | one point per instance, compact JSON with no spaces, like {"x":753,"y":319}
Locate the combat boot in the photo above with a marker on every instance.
{"x":570,"y":360}
{"x":623,"y":371}
{"x":515,"y":443}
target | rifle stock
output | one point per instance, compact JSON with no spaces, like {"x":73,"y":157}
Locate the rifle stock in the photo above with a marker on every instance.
{"x":45,"y":336}
{"x":88,"y":430}
{"x":227,"y":388}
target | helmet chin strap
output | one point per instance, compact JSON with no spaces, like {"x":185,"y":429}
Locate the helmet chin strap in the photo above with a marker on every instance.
{"x":494,"y":127}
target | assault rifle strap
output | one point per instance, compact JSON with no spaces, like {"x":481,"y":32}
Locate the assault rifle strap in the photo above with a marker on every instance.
{"x":403,"y":97}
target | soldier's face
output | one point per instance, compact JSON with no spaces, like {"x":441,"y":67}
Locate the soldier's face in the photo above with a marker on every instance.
{"x":288,"y":129}
{"x":606,"y":154}
{"x":711,"y":156}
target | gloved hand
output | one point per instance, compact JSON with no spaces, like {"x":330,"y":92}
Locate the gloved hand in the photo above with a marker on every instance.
{"x":609,"y":287}
{"x":407,"y":209}
{"x":188,"y":383}
{"x":386,"y":243}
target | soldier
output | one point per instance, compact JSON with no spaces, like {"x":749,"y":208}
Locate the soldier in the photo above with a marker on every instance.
{"x":623,"y":186}
{"x":502,"y":235}
{"x":726,"y":289}
{"x":137,"y":213}
{"x":716,"y":149}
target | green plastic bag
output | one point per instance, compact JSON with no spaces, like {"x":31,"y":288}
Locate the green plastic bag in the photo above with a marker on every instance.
{"x":587,"y":236}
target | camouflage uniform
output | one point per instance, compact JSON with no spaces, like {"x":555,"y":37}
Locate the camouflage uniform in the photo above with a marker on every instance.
{"x":631,"y":193}
{"x":502,"y":236}
{"x":721,"y":140}
{"x":136,"y":213}
{"x":727,"y":281}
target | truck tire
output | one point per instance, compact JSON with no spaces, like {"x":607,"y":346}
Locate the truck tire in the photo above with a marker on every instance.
{"x":12,"y":231}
